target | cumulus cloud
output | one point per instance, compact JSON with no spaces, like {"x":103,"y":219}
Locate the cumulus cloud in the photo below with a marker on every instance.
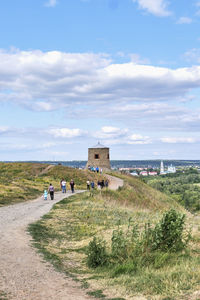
{"x":155,"y":7}
{"x":113,"y":135}
{"x":139,"y":139}
{"x":109,"y":132}
{"x":65,"y":132}
{"x":45,"y":81}
{"x":184,"y":20}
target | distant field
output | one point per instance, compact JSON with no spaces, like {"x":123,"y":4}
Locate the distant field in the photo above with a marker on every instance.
{"x":63,"y":236}
{"x":23,"y":181}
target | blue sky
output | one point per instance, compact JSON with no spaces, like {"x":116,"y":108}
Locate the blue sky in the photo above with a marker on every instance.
{"x":122,"y":72}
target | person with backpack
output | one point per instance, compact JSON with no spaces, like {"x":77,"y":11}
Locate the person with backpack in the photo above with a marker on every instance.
{"x":51,"y":191}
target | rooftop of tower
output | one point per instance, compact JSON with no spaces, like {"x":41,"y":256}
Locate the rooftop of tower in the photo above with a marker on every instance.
{"x":99,"y":145}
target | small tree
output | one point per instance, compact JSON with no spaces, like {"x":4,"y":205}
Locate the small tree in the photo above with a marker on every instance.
{"x":168,"y":234}
{"x":96,"y":254}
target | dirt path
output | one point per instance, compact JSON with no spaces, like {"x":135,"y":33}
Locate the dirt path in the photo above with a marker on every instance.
{"x":114,"y":182}
{"x":23,"y":274}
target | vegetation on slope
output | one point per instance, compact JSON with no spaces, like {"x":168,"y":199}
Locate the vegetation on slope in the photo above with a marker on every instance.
{"x":23,"y":181}
{"x":183,"y":187}
{"x":64,"y":234}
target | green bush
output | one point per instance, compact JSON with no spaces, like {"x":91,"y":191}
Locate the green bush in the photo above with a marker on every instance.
{"x":168,"y":234}
{"x":96,"y":253}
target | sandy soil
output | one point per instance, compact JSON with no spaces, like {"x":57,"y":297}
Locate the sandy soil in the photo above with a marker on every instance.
{"x":23,"y":274}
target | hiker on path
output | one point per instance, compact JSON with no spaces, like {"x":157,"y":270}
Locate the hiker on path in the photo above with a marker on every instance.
{"x":72,"y":185}
{"x":63,"y":185}
{"x":51,"y":191}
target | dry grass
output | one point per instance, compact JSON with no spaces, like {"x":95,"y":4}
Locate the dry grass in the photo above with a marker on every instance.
{"x":23,"y":181}
{"x":73,"y":222}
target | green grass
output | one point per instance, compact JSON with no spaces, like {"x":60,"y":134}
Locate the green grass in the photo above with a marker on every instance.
{"x":64,"y":234}
{"x":23,"y":181}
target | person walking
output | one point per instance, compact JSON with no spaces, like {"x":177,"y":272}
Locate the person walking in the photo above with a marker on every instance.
{"x":72,"y":184}
{"x":51,"y":191}
{"x":63,"y":184}
{"x":45,"y":194}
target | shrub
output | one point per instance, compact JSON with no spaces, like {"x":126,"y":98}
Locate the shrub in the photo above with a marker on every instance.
{"x":96,"y":253}
{"x":168,"y":234}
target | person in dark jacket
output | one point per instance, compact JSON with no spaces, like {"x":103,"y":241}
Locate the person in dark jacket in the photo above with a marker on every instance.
{"x":72,"y":185}
{"x":51,"y":191}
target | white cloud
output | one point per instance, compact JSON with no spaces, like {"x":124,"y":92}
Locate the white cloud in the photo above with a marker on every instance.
{"x":109,"y":132}
{"x":139,"y":139}
{"x":65,"y":132}
{"x":175,"y":140}
{"x":45,"y":81}
{"x":51,"y":3}
{"x":155,"y":7}
{"x":184,"y":20}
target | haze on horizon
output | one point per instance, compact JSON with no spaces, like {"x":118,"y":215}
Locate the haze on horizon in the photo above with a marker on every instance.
{"x":123,"y":72}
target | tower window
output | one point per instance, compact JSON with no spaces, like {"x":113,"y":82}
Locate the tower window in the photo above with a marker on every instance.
{"x":108,"y":156}
{"x":96,"y":156}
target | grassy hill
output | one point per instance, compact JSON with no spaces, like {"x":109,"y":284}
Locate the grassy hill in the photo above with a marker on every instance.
{"x":23,"y":181}
{"x":64,"y":234}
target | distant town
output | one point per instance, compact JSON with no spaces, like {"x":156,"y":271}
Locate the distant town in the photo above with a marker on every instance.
{"x":139,"y":167}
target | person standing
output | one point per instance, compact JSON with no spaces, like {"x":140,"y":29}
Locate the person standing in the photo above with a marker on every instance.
{"x":88,"y":185}
{"x":51,"y":191}
{"x":63,"y":184}
{"x":72,"y":185}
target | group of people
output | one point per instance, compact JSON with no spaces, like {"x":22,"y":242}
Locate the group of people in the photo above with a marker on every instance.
{"x":95,"y":169}
{"x":63,"y":185}
{"x":100,"y":184}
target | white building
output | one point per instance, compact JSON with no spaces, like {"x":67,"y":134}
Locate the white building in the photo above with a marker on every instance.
{"x":171,"y":169}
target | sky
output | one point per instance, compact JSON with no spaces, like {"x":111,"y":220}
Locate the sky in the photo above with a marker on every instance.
{"x":122,"y":72}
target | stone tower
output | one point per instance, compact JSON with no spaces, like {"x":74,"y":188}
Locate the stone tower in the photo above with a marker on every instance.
{"x":98,"y":156}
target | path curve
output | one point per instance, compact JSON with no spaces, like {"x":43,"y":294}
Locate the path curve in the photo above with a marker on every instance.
{"x":23,"y":273}
{"x":114,"y":182}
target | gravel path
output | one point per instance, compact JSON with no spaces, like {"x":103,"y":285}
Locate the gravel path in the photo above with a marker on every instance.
{"x":23,"y":274}
{"x":114,"y":182}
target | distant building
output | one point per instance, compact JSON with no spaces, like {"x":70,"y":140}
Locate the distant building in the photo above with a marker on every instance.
{"x":98,"y":156}
{"x":144,"y":173}
{"x":153,"y":173}
{"x":162,"y":170}
{"x":171,"y":169}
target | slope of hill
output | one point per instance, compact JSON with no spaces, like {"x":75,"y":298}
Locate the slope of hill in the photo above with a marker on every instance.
{"x":64,"y":234}
{"x":23,"y":181}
